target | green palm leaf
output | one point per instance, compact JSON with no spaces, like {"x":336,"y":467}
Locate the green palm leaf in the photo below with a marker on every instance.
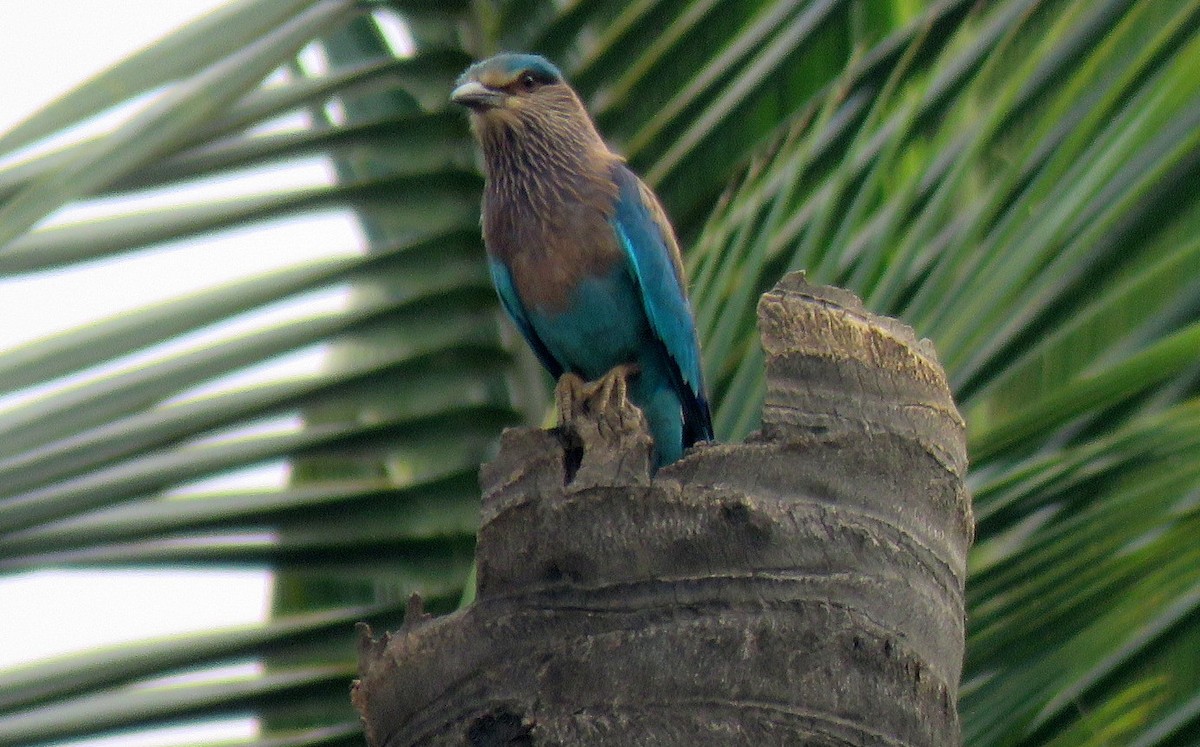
{"x":1016,"y":179}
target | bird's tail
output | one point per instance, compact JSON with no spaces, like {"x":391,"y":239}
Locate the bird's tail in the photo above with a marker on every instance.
{"x":697,"y":421}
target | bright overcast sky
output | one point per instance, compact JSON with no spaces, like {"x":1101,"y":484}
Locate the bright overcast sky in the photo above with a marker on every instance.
{"x":46,"y":48}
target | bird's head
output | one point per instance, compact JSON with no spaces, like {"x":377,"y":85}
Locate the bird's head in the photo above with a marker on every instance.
{"x":519,"y":92}
{"x":507,"y":82}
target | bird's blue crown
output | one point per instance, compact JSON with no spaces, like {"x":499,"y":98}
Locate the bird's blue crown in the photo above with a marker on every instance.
{"x":509,"y":65}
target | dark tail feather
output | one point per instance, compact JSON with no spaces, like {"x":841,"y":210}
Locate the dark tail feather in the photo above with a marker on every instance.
{"x":697,"y":420}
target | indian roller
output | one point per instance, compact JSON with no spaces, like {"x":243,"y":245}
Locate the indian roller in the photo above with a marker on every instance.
{"x":580,"y":250}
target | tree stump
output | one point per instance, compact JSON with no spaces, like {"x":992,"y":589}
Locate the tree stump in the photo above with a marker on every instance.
{"x":804,"y":587}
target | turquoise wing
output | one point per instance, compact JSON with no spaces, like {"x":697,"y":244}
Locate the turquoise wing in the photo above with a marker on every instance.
{"x":653,"y":254}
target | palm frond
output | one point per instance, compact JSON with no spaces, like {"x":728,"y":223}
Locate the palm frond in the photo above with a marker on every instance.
{"x":1016,"y":179}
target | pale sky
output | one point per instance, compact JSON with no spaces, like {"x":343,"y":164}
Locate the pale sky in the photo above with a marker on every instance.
{"x":45,"y":49}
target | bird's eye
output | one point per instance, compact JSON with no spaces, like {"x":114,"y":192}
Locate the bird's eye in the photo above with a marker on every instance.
{"x":528,"y":81}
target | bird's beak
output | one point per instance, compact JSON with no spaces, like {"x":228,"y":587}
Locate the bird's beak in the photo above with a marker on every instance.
{"x":477,"y":96}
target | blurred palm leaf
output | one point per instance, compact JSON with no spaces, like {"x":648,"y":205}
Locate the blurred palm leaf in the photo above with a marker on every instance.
{"x":1016,"y":179}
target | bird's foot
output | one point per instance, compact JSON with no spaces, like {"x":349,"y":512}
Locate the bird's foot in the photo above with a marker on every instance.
{"x":569,"y":396}
{"x":598,"y":416}
{"x":608,"y":400}
{"x":576,"y":398}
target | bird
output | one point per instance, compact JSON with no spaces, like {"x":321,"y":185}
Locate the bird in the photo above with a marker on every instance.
{"x":580,"y":250}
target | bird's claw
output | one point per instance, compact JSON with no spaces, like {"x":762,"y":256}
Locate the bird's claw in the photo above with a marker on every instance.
{"x":569,"y":396}
{"x":610,"y":397}
{"x":598,"y":417}
{"x":577,"y":398}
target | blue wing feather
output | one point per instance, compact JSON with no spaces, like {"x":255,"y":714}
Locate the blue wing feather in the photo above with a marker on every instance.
{"x":503,"y":281}
{"x":640,"y":227}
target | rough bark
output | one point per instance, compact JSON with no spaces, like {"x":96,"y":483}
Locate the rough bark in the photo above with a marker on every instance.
{"x":804,"y":587}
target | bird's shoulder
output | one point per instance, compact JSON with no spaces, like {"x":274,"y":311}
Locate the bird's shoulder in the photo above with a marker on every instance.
{"x":632,"y":188}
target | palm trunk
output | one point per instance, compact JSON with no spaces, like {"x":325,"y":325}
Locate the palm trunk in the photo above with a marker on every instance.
{"x":805,"y":587}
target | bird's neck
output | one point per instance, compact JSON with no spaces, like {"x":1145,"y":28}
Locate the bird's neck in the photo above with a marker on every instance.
{"x":546,"y":164}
